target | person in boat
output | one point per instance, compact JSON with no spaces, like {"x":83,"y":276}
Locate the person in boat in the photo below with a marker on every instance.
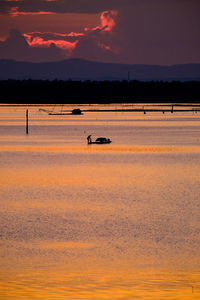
{"x":89,"y":139}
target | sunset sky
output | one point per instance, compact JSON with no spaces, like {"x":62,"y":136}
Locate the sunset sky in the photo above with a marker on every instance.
{"x":163,"y":32}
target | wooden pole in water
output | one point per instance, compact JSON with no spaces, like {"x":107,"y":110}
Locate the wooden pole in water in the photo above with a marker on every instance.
{"x":27,"y":121}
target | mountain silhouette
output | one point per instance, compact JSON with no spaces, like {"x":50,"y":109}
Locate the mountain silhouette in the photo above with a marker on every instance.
{"x":78,"y":69}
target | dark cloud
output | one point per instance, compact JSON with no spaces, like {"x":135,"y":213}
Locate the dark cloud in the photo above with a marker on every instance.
{"x":147,"y":31}
{"x":83,"y":6}
{"x":88,"y":49}
{"x":64,"y":6}
{"x":96,"y":46}
{"x":16,"y":47}
{"x":92,"y":43}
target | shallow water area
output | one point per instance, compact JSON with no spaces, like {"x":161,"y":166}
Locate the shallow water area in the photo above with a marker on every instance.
{"x":118,"y":221}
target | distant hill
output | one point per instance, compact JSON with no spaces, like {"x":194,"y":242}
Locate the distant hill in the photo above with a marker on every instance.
{"x":77,"y":69}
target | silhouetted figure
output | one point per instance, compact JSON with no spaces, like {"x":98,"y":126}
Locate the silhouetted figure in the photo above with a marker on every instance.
{"x":89,"y":139}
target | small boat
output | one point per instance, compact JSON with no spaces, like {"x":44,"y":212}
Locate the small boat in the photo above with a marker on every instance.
{"x":77,"y":111}
{"x":100,"y":140}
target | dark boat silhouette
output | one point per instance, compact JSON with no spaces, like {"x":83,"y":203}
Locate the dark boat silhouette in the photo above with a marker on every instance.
{"x":100,"y":140}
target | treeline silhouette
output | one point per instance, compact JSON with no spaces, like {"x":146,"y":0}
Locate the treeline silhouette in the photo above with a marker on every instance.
{"x":58,"y":91}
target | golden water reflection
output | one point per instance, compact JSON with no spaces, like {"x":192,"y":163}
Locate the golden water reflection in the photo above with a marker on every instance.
{"x":103,"y":149}
{"x":119,"y":221}
{"x":90,"y":285}
{"x":130,"y":232}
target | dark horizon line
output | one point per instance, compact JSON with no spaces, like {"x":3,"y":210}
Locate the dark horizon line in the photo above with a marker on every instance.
{"x":98,"y":62}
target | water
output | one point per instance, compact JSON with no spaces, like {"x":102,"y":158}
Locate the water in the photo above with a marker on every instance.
{"x":118,"y":221}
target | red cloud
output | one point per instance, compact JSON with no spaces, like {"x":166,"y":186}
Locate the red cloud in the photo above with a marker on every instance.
{"x":30,"y":35}
{"x":46,"y":39}
{"x":107,"y":21}
{"x":40,"y":42}
{"x":14,"y":12}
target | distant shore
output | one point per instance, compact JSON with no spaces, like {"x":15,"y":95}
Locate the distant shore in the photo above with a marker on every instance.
{"x":45,"y":92}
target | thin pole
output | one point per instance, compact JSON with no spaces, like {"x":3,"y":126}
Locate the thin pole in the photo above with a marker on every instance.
{"x":27,"y":121}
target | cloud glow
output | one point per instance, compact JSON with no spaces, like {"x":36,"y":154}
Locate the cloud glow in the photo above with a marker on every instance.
{"x":56,"y":34}
{"x":40,"y":42}
{"x":14,"y":12}
{"x":107,"y":19}
{"x":68,"y":41}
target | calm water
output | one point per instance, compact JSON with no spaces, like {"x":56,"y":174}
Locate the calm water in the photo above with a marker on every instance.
{"x":118,"y":221}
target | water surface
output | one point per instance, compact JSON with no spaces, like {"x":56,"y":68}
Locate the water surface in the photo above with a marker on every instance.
{"x":118,"y":221}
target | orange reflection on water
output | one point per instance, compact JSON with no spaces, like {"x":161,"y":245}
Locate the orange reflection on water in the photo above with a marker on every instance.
{"x":106,"y":175}
{"x":87,"y":284}
{"x":103,"y":148}
{"x":100,"y":221}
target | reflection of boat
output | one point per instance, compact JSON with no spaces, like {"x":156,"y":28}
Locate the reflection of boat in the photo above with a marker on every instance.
{"x":100,"y":140}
